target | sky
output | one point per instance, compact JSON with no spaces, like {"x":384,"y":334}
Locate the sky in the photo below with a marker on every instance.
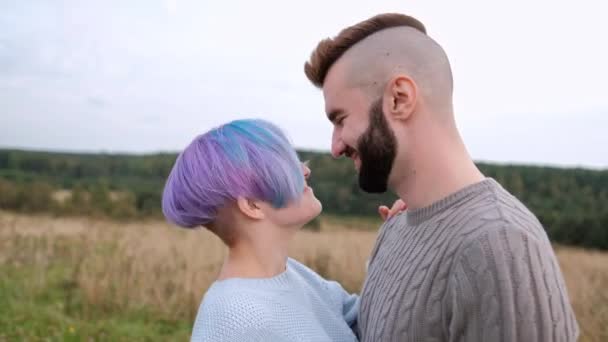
{"x":147,"y":76}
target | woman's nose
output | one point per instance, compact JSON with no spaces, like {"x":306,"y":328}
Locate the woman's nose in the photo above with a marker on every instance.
{"x":306,"y":169}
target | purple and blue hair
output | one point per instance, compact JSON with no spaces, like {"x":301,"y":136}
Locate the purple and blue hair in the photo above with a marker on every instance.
{"x":249,"y":158}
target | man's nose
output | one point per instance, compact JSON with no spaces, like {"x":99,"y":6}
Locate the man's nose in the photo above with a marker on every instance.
{"x":337,"y":146}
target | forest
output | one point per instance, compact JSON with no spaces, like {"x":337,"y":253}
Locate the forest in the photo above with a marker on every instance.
{"x":571,"y":203}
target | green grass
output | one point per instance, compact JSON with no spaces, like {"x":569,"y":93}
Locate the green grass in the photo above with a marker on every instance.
{"x":54,"y":312}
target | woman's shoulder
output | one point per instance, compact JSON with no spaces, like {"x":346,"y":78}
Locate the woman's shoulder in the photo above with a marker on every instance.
{"x":227,"y":309}
{"x":300,"y":268}
{"x":332,"y":287}
{"x":307,"y":275}
{"x":225,"y":296}
{"x":305,"y":271}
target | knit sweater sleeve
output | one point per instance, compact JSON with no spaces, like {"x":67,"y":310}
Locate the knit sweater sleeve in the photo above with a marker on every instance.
{"x":349,"y":302}
{"x":506,"y":286}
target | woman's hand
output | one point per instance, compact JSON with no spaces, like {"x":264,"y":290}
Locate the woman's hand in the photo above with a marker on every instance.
{"x":386,"y":213}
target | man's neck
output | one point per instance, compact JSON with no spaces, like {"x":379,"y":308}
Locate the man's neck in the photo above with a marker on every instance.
{"x":432,"y":179}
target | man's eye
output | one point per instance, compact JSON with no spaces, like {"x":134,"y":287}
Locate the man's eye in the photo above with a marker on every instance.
{"x":340,"y":121}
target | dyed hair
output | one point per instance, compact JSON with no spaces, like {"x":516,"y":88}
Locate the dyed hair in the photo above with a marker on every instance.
{"x":329,"y":50}
{"x":248,"y":158}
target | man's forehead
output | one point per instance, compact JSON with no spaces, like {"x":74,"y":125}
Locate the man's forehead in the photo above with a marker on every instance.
{"x":333,"y":98}
{"x":334,"y":84}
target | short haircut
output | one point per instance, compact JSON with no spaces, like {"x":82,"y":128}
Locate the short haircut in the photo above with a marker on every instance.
{"x":329,"y":50}
{"x":249,"y":158}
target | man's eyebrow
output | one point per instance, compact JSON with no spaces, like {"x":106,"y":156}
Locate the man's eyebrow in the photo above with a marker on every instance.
{"x":333,"y":114}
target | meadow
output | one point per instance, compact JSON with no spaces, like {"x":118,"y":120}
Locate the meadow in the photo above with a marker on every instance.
{"x":84,"y":279}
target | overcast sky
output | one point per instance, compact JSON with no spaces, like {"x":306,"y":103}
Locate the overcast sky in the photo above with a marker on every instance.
{"x":145,"y":76}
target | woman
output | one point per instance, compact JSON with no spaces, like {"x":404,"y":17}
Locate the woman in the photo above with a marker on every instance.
{"x":244,"y":182}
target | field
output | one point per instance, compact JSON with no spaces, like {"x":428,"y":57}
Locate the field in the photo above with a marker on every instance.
{"x":79,"y":279}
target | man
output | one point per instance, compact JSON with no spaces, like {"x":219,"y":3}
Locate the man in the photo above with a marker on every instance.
{"x":467,"y":261}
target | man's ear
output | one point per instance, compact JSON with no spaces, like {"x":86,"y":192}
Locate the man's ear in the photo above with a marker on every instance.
{"x":401,"y":96}
{"x":250,"y":208}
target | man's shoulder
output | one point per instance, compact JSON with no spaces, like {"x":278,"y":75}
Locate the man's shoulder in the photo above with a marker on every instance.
{"x":506,"y":226}
{"x":510,"y":215}
{"x":499,"y":217}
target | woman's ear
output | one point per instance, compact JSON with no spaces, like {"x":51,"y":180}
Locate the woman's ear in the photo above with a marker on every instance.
{"x":250,"y":208}
{"x":402,"y":93}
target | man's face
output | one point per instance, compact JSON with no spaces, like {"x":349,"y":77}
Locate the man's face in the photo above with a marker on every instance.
{"x":360,"y":132}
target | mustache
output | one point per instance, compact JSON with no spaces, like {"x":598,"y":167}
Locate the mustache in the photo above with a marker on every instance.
{"x":349,"y":151}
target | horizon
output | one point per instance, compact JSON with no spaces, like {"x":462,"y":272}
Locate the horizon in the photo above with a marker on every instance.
{"x":328,"y":153}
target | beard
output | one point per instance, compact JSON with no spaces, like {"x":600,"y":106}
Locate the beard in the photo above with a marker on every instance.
{"x":377,"y":149}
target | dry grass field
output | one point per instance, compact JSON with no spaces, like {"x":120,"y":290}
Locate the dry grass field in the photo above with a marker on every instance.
{"x":79,"y":279}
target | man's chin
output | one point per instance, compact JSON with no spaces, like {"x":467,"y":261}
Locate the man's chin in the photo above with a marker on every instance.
{"x":372,"y":187}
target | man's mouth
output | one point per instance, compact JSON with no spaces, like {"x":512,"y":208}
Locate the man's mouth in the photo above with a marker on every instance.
{"x":354,"y":156}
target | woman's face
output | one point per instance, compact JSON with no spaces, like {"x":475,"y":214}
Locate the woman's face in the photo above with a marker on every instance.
{"x":299,"y":212}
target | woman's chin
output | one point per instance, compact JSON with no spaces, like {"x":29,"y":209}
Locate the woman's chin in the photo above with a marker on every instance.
{"x":319,"y":207}
{"x":313,"y":214}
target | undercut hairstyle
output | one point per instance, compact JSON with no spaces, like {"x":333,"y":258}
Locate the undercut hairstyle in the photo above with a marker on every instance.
{"x":329,"y":50}
{"x":244,"y":158}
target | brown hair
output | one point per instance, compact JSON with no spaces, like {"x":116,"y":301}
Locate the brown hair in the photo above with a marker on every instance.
{"x":329,"y":50}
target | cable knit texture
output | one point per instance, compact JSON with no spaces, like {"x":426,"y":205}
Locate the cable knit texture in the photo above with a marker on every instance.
{"x":296,"y":306}
{"x":475,"y":266}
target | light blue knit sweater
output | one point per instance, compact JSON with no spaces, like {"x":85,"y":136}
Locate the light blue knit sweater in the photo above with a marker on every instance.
{"x":296,"y":306}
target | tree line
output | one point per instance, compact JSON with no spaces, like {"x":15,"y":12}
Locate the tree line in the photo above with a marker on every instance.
{"x":572,"y":203}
